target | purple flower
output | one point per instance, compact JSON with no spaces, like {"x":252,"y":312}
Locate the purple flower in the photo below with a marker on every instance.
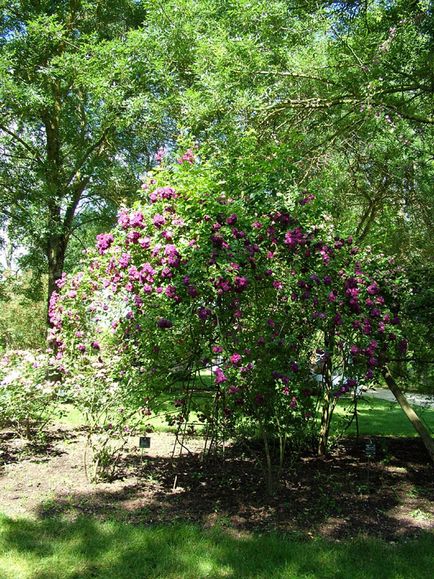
{"x":308,"y":199}
{"x":204,"y":313}
{"x":164,"y":323}
{"x":219,"y":376}
{"x":145,"y":242}
{"x":96,"y":346}
{"x":232,"y":219}
{"x":187,"y":157}
{"x":171,"y":292}
{"x":241,"y":283}
{"x":217,"y":349}
{"x":332,"y":296}
{"x":402,"y":346}
{"x":294,"y":366}
{"x":294,"y":237}
{"x":160,"y":154}
{"x":159,"y":220}
{"x":103,"y":242}
{"x":136,"y":220}
{"x":259,"y":399}
{"x":124,"y":219}
{"x":192,"y":291}
{"x":61,"y":281}
{"x":124,"y":260}
{"x":235,"y":359}
{"x":133,"y":236}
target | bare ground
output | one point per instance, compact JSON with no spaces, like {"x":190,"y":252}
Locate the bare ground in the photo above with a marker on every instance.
{"x":340,"y":496}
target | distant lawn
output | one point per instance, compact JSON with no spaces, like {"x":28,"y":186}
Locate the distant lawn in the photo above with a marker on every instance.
{"x":57,"y":549}
{"x":376,"y":418}
{"x":382,"y":418}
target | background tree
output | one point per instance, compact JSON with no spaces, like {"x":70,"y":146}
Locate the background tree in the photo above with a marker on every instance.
{"x":83,"y":108}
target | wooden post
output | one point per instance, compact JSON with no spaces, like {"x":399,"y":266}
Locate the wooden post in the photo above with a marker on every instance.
{"x":410,"y":413}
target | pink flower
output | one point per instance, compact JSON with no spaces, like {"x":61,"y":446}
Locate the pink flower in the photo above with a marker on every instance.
{"x":187,"y":157}
{"x":235,"y":359}
{"x":61,"y":281}
{"x":136,"y":220}
{"x":219,"y":376}
{"x":160,"y":154}
{"x":241,"y":283}
{"x":158,"y":220}
{"x":124,"y":219}
{"x":104,"y":241}
{"x":124,"y":260}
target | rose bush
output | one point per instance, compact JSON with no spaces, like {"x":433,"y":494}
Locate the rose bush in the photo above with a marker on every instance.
{"x":195,"y":280}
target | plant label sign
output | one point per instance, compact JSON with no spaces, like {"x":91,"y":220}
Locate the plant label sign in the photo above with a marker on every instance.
{"x":370,"y":449}
{"x":144,"y":442}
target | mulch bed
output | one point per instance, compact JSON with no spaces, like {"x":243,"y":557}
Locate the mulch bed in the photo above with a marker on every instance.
{"x":342,"y":495}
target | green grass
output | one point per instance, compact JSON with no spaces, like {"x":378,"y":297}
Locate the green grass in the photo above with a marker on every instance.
{"x":56,"y":549}
{"x":376,"y":418}
{"x":382,"y":418}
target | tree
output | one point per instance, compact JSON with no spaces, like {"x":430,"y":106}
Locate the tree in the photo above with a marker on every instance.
{"x":83,"y":109}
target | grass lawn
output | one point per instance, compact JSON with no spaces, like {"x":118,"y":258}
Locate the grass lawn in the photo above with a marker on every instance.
{"x":382,"y":418}
{"x":376,"y":418}
{"x":56,"y":549}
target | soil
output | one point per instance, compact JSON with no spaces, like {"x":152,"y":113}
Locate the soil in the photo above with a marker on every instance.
{"x":389,"y":495}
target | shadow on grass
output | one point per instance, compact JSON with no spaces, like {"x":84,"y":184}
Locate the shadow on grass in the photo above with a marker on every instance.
{"x":55,"y":548}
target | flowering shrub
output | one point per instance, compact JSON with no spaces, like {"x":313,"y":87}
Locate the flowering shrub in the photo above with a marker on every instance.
{"x":193,"y":280}
{"x":28,"y":401}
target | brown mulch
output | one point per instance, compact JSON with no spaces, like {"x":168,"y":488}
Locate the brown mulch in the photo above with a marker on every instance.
{"x":345,"y":494}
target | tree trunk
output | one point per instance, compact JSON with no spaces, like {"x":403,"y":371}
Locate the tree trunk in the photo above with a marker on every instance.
{"x":329,"y":401}
{"x":410,"y":413}
{"x":56,"y":259}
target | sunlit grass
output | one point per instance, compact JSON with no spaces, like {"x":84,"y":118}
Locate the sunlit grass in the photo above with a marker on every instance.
{"x":381,"y":418}
{"x":55,"y":549}
{"x":376,"y":418}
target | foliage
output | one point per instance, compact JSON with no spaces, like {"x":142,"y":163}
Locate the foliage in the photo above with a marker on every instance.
{"x":83,"y":105}
{"x":109,"y":424}
{"x":22,"y":314}
{"x":196,"y":279}
{"x":28,"y":399}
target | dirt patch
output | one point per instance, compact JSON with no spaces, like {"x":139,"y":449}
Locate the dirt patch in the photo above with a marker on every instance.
{"x":345,"y":494}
